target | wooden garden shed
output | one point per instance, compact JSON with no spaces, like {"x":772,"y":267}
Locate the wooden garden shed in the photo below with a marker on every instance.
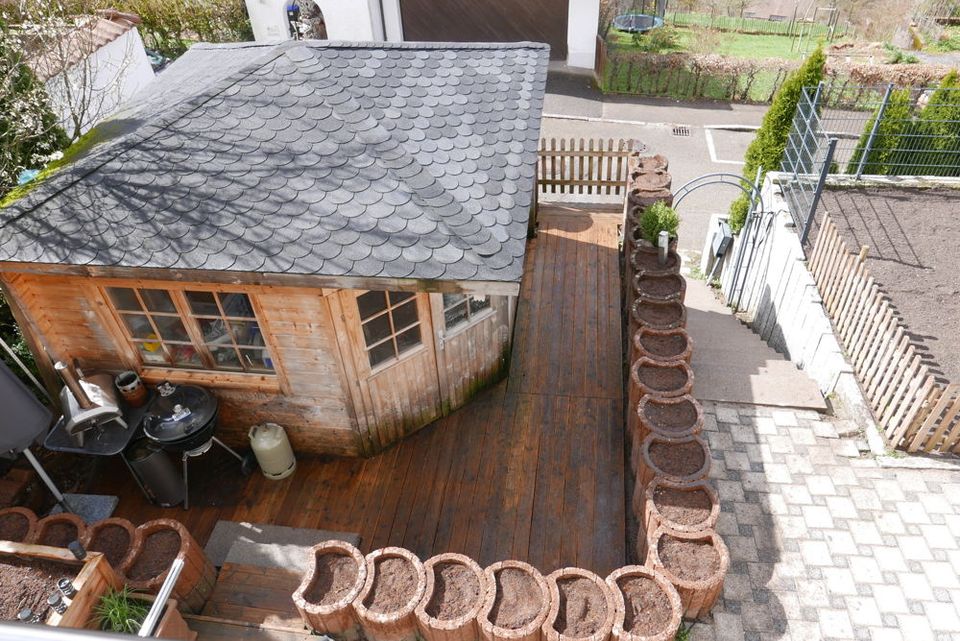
{"x":329,"y":236}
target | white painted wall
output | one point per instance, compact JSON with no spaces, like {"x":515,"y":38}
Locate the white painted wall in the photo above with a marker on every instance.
{"x":345,"y":19}
{"x":109,"y":77}
{"x":583,"y":20}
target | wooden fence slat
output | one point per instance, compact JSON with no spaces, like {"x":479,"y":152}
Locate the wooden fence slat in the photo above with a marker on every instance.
{"x":919,"y":392}
{"x":942,"y":418}
{"x":583,"y":166}
{"x":924,"y":438}
{"x":884,"y":362}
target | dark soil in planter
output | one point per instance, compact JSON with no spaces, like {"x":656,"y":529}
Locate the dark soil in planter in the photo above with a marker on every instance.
{"x":27,"y":584}
{"x":688,"y":560}
{"x":650,"y":261}
{"x":671,"y":417}
{"x":159,"y":551}
{"x":456,"y":589}
{"x":519,"y":599}
{"x":677,"y":459}
{"x":658,"y":314}
{"x":113,"y":541}
{"x":59,"y":535}
{"x":394,"y":585}
{"x":664,"y":346}
{"x":335,"y":576}
{"x":13,"y":527}
{"x":648,"y":609}
{"x":659,"y":286}
{"x":683,"y":507}
{"x":583,"y":608}
{"x":662,"y":379}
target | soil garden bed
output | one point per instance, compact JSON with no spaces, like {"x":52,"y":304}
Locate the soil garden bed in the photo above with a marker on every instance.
{"x":661,"y":378}
{"x":648,"y":606}
{"x":662,"y":345}
{"x":680,"y":461}
{"x":517,"y":602}
{"x":159,"y":550}
{"x":676,"y":418}
{"x":647,"y":260}
{"x":455,"y":591}
{"x":17,"y":524}
{"x":393,"y":588}
{"x":695,"y":562}
{"x":26,"y":583}
{"x":326,"y":594}
{"x":581,"y":606}
{"x":658,"y":314}
{"x":59,"y":530}
{"x":116,"y":538}
{"x":659,"y":286}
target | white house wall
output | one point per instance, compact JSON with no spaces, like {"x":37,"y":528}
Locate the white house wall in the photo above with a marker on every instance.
{"x":583,"y":20}
{"x":113,"y":74}
{"x":345,"y":19}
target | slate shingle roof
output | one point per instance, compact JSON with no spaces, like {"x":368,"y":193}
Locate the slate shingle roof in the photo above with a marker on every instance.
{"x":339,"y":159}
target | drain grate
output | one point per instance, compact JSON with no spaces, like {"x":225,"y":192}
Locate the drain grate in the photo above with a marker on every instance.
{"x":681,"y":130}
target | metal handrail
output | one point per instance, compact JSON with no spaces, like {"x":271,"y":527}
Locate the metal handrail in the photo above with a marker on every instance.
{"x":160,"y":602}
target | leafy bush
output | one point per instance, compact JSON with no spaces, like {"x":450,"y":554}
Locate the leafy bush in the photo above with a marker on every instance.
{"x":898,"y":56}
{"x":660,"y":40}
{"x":889,"y":136}
{"x":121,"y":611}
{"x":767,"y":148}
{"x":656,"y":218}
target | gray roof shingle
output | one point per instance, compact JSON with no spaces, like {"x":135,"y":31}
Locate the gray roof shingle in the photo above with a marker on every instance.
{"x":405,"y":160}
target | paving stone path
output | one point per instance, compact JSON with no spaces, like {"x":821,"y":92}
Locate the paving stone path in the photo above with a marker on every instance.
{"x":826,"y":543}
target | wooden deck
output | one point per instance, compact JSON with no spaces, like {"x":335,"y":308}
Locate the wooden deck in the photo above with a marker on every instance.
{"x":531,"y":469}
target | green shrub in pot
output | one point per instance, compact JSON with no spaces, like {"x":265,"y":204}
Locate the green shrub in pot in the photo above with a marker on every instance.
{"x":656,"y":218}
{"x":121,"y":611}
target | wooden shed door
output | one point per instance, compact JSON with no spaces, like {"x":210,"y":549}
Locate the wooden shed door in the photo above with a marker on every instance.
{"x":391,"y":335}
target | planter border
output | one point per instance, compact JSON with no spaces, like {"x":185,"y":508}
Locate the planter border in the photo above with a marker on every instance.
{"x":337,"y":617}
{"x":401,"y":623}
{"x":672,"y":267}
{"x":697,"y":597}
{"x":676,"y":606}
{"x":115,"y":521}
{"x":550,"y":633}
{"x":638,"y":292}
{"x":28,"y":514}
{"x":463,"y":627}
{"x":645,"y":427}
{"x":530,"y":632}
{"x":636,"y":322}
{"x":643,"y":390}
{"x":45,"y":522}
{"x":646,"y":470}
{"x":198,"y":576}
{"x":651,"y":518}
{"x":637,"y":349}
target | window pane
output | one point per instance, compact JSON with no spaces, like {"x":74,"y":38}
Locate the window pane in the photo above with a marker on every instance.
{"x":246,"y":332}
{"x":139,"y":326}
{"x":202,"y":303}
{"x":371,"y":303}
{"x":381,"y":353}
{"x":405,"y":315}
{"x":236,"y":305}
{"x":225,"y":357}
{"x":214,"y":330}
{"x":478,"y":303}
{"x":257,"y":360}
{"x":408,"y":339}
{"x":151,"y":353}
{"x":449,"y":300}
{"x":124,"y":299}
{"x":185,"y":355}
{"x":157,"y":300}
{"x":455,"y":315}
{"x":377,"y":329}
{"x":398,"y":297}
{"x":171,"y":328}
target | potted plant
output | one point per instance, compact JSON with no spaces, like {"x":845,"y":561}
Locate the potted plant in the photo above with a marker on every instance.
{"x":656,"y":218}
{"x":124,"y":611}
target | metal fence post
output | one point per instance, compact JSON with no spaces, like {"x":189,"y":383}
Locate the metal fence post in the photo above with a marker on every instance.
{"x":824,"y":172}
{"x":873,"y":131}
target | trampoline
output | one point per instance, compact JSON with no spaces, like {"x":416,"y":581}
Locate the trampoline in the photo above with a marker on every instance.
{"x":637,"y":22}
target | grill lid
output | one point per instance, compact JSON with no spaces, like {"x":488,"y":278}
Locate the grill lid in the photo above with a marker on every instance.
{"x":178,"y":411}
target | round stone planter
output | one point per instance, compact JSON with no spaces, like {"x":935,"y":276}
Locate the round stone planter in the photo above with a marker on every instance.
{"x":17,"y":524}
{"x":647,"y":260}
{"x":655,"y":378}
{"x":648,"y":606}
{"x":581,"y":607}
{"x":159,"y":543}
{"x":639,"y":164}
{"x":658,"y":314}
{"x":455,"y":592}
{"x":517,"y":603}
{"x":116,"y":538}
{"x":59,"y":530}
{"x":681,"y":461}
{"x":394,"y":586}
{"x":694,"y":562}
{"x":326,"y":594}
{"x":677,"y":417}
{"x":657,"y":286}
{"x":691,"y":507}
{"x":661,"y":344}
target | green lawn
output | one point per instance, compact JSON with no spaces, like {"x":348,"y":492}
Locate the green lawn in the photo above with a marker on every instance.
{"x":949,"y":42}
{"x":737,"y":45}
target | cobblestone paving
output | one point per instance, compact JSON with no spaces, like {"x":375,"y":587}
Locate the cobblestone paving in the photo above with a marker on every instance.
{"x":825,"y":543}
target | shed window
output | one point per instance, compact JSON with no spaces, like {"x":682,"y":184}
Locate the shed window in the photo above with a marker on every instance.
{"x":390,"y":322}
{"x":192,"y":329}
{"x":461,"y":309}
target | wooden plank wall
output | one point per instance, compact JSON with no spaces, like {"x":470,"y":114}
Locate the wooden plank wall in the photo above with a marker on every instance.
{"x":579,"y":166}
{"x":914,"y":410}
{"x":487,"y":21}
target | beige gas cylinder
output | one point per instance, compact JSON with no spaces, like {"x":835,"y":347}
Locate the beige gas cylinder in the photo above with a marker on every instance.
{"x":272,"y":449}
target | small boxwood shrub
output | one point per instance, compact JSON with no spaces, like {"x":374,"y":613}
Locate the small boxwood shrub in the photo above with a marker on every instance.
{"x":656,"y":218}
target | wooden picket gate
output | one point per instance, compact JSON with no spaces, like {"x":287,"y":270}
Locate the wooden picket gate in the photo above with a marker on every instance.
{"x":914,"y":410}
{"x":573,"y":166}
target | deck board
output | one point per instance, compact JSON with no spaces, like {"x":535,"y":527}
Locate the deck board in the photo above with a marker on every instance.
{"x":532,"y":468}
